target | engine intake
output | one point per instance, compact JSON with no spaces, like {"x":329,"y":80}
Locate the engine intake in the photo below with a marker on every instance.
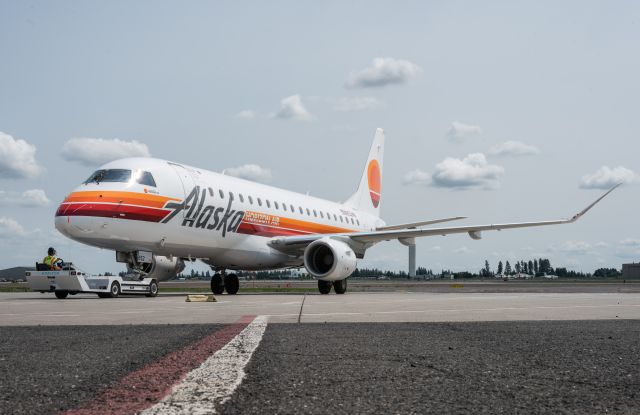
{"x":329,"y":260}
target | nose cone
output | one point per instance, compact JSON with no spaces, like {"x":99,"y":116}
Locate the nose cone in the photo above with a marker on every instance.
{"x":74,"y":227}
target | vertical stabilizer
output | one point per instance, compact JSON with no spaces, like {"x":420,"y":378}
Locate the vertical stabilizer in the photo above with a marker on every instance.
{"x":367,"y":197}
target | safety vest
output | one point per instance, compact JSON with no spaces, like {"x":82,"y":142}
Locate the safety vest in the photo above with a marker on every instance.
{"x":50,"y":261}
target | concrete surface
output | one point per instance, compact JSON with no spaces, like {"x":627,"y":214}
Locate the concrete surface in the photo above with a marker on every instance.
{"x":35,"y":308}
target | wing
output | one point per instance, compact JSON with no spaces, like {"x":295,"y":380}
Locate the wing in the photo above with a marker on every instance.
{"x":360,"y":241}
{"x":413,"y":225}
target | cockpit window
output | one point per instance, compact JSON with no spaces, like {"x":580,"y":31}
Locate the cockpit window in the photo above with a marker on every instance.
{"x":122,"y":176}
{"x":145,"y":178}
{"x":110,"y":175}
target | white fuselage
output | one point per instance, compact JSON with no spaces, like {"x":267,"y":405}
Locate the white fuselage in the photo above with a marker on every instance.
{"x":194,"y":213}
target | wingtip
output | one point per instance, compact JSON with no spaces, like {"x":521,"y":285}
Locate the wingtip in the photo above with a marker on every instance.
{"x":580,"y":214}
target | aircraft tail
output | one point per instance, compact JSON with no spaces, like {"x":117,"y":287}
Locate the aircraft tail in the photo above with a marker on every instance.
{"x":367,"y":197}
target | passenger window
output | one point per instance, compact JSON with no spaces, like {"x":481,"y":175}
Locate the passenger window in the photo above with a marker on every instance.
{"x":335,"y":217}
{"x":145,"y":178}
{"x":276,"y":204}
{"x":352,"y":222}
{"x":292,"y":208}
{"x":358,"y":222}
{"x":284,"y":207}
{"x":321,"y":215}
{"x":221,"y":194}
{"x":301,"y":212}
{"x":259,"y":202}
{"x":110,"y":175}
{"x":268,"y":203}
{"x":231,"y":195}
{"x":250,"y":199}
{"x":315,"y":213}
{"x":341,"y":219}
{"x":241,"y":198}
{"x":308,"y":212}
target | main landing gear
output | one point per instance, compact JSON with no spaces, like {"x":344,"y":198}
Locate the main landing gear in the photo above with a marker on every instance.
{"x":340,"y":286}
{"x":221,"y":282}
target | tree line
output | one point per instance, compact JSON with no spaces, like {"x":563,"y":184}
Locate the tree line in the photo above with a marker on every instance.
{"x":533,"y":267}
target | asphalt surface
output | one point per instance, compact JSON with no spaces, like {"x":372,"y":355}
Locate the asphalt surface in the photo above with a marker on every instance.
{"x":576,"y":367}
{"x":50,"y":368}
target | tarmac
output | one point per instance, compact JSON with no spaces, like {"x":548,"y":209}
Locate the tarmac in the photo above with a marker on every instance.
{"x":392,"y":352}
{"x":24,"y":309}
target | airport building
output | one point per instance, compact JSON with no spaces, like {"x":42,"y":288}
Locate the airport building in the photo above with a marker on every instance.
{"x":630,"y":271}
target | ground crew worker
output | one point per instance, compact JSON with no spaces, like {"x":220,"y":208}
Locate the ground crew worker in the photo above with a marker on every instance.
{"x":50,"y":260}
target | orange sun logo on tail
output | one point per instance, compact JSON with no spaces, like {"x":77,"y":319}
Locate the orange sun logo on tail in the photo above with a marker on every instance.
{"x":373,"y":174}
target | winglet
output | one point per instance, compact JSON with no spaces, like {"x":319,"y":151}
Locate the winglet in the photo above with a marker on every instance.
{"x":585,"y":210}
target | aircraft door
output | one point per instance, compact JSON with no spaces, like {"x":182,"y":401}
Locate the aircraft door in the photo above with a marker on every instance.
{"x":188,"y":182}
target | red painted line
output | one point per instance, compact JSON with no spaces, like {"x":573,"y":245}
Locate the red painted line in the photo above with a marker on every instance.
{"x":144,"y":388}
{"x":116,"y":211}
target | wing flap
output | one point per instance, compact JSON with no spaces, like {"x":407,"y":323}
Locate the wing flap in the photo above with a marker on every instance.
{"x":411,"y":225}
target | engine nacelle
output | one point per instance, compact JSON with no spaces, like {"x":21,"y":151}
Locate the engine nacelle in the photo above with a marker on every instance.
{"x":329,"y":260}
{"x":164,"y":268}
{"x":148,"y":265}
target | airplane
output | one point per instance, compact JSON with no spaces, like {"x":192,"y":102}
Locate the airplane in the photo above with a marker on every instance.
{"x":156,"y":214}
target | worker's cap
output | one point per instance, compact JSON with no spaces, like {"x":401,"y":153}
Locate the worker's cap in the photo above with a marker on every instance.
{"x":51,"y":251}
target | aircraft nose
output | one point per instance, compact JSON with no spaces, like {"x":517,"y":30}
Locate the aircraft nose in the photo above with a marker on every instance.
{"x":74,"y":227}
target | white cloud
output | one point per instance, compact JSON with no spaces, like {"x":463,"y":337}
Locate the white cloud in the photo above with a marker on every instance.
{"x":606,"y":178}
{"x":96,"y":151}
{"x":471,"y":172}
{"x":514,"y":148}
{"x":250,"y":172}
{"x":575,"y":247}
{"x":630,"y":242}
{"x":246,"y":114}
{"x":17,"y":158}
{"x":28,"y":198}
{"x":459,"y":131}
{"x":350,"y":104}
{"x":462,"y":250}
{"x":601,"y":244}
{"x":383,"y":71}
{"x":10,"y":228}
{"x":417,"y":177}
{"x":292,"y":108}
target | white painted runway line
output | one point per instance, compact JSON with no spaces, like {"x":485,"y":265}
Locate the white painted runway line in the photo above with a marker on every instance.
{"x":216,"y":379}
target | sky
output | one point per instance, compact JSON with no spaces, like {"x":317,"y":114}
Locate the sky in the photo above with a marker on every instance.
{"x":497,"y":111}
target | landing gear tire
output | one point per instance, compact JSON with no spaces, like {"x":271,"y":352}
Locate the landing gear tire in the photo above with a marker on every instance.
{"x":114,"y":291}
{"x":217,"y":285}
{"x":231,"y":284}
{"x":340,"y":286}
{"x":324,"y":287}
{"x":153,"y":289}
{"x":62,"y":294}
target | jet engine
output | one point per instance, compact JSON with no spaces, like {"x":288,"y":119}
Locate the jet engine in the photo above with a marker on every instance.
{"x":164,"y":268}
{"x":329,"y":260}
{"x":148,"y":265}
